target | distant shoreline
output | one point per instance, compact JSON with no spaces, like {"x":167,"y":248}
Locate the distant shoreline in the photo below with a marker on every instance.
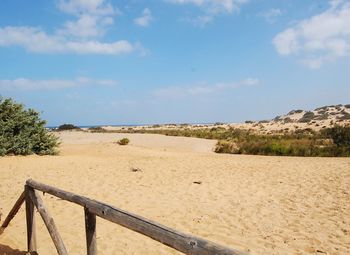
{"x":140,"y":125}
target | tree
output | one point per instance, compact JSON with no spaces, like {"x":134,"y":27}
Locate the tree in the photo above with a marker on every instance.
{"x":22,"y":132}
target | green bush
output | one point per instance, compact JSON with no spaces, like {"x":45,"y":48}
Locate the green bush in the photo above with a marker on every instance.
{"x":277,"y":118}
{"x":295,"y":111}
{"x":345,"y":116}
{"x":340,"y":135}
{"x":97,"y":129}
{"x":123,"y":141}
{"x":22,"y":132}
{"x":307,"y":117}
{"x":287,"y":120}
{"x":226,"y":147}
{"x":282,"y":146}
{"x":65,"y":127}
{"x":263,"y":121}
{"x":322,"y":116}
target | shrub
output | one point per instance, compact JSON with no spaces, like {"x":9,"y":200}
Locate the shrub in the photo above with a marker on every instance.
{"x":263,"y":121}
{"x":321,"y":111}
{"x":22,"y":132}
{"x":307,"y":117}
{"x":65,"y":127}
{"x":338,"y":107}
{"x":226,"y":147}
{"x":277,"y":118}
{"x":294,"y":111}
{"x":323,"y":108}
{"x":345,"y":116}
{"x":322,"y":116}
{"x":97,"y":129}
{"x":340,"y":135}
{"x":123,"y":141}
{"x":287,"y":120}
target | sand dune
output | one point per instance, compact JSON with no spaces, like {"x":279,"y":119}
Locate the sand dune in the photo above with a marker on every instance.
{"x":264,"y":205}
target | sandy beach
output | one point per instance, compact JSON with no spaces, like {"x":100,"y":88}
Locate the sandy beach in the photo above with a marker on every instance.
{"x":258,"y":204}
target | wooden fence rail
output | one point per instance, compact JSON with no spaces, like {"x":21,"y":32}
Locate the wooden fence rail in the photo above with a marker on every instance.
{"x":184,"y":243}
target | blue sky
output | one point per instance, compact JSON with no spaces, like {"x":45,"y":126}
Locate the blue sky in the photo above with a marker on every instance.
{"x":91,"y":62}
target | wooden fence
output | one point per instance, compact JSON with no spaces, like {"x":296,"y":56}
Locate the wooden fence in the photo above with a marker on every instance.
{"x":184,"y":243}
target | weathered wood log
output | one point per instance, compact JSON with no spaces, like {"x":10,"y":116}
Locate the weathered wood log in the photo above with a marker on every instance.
{"x":48,"y":220}
{"x":30,"y":216}
{"x":13,"y":212}
{"x":90,"y":229}
{"x":185,"y":243}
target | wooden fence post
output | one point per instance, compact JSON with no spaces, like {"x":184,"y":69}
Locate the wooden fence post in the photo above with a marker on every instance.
{"x":90,"y":229}
{"x":49,"y":222}
{"x":30,"y":216}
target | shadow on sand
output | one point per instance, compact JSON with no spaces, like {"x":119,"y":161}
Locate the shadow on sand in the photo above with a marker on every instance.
{"x":7,"y":250}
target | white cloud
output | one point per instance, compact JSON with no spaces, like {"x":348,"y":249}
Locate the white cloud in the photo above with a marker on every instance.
{"x":202,"y":88}
{"x":92,"y":17}
{"x":271,"y":15}
{"x":200,"y":20}
{"x":92,"y":7}
{"x":145,"y":19}
{"x":79,"y":36}
{"x":85,"y":26}
{"x":36,"y":40}
{"x":54,"y":84}
{"x":211,"y":8}
{"x":320,"y":39}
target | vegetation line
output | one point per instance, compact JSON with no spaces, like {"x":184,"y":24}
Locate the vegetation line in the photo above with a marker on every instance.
{"x":329,"y":142}
{"x":22,"y":132}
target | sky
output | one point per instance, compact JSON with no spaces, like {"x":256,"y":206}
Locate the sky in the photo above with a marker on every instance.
{"x":99,"y":62}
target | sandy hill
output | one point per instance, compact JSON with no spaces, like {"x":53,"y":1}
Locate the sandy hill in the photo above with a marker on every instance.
{"x":335,"y":113}
{"x":317,"y":119}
